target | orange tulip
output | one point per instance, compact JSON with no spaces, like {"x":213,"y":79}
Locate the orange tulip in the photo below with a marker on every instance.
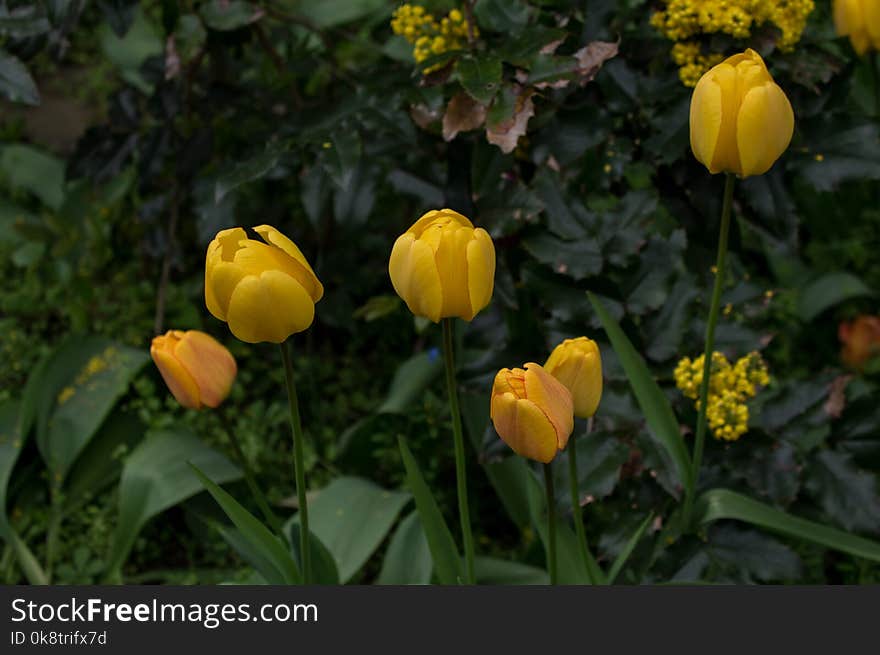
{"x":861,"y":341}
{"x":198,"y":369}
{"x":532,"y":412}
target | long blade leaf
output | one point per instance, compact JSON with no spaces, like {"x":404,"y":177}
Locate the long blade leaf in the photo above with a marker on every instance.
{"x":725,"y":504}
{"x":655,"y":406}
{"x":447,"y":562}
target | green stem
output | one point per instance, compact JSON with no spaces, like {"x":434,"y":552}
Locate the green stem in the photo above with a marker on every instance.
{"x":875,"y":69}
{"x":298,"y":464}
{"x":577,"y":513}
{"x":720,"y":269}
{"x":249,"y":477}
{"x":460,"y":470}
{"x":551,"y":522}
{"x":52,"y":532}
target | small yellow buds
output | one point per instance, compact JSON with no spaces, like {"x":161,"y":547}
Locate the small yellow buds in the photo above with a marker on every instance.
{"x":577,"y":364}
{"x":443,"y":267}
{"x":740,"y":120}
{"x":265,"y":290}
{"x":532,"y":412}
{"x":429,"y":37}
{"x":198,"y":370}
{"x":860,"y":21}
{"x":730,"y":386}
{"x":690,"y":22}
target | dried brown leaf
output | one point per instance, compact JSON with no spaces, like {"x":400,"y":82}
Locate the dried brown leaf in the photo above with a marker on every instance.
{"x":463,"y":113}
{"x":836,"y":401}
{"x":591,"y":57}
{"x":506,"y":134}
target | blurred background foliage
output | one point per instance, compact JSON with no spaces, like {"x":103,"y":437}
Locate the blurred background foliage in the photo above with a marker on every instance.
{"x":131,"y":132}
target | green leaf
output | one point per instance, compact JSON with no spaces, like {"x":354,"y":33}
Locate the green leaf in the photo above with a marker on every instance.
{"x":655,"y":406}
{"x":23,"y":23}
{"x":505,"y":16}
{"x":156,"y":476}
{"x":351,"y":517}
{"x":246,"y":171}
{"x":283,"y":568}
{"x":36,"y":171}
{"x":447,"y":562}
{"x":142,"y":41}
{"x":494,"y":571}
{"x":829,"y":290}
{"x":82,"y":382}
{"x":11,"y":443}
{"x":848,"y":495}
{"x":410,"y":380}
{"x":725,"y":504}
{"x":629,"y":547}
{"x":576,"y":259}
{"x":408,"y":558}
{"x":16,"y":83}
{"x":228,"y":15}
{"x":330,"y":13}
{"x":100,"y":463}
{"x":480,"y":77}
{"x":600,"y":457}
{"x":323,"y":563}
{"x":753,"y":554}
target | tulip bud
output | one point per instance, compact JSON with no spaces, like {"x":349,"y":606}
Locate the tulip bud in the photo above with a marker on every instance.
{"x":741,"y":121}
{"x":198,"y":370}
{"x":861,"y":341}
{"x":442,"y":266}
{"x":577,"y":364}
{"x":532,"y":412}
{"x":860,"y":21}
{"x":264,"y":291}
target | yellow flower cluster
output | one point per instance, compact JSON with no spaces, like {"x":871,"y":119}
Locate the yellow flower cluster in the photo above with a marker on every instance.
{"x":685,"y":21}
{"x":428,"y":36}
{"x":730,"y":386}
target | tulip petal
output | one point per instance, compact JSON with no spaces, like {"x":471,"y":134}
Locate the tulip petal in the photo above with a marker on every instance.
{"x":536,"y":436}
{"x":523,"y":427}
{"x":210,"y":364}
{"x":419,"y":226}
{"x":481,"y":270}
{"x":415,"y":277}
{"x":222,"y":281}
{"x":181,"y":384}
{"x":270,"y":307}
{"x":705,"y":120}
{"x":452,"y":267}
{"x":309,"y":280}
{"x":552,"y":397}
{"x":764,"y":128}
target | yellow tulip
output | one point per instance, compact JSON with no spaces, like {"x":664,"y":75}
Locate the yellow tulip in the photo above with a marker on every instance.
{"x":578,"y":365}
{"x":860,"y":21}
{"x":198,"y":370}
{"x":532,"y":412}
{"x":442,"y":266}
{"x":264,"y":291}
{"x":740,"y":120}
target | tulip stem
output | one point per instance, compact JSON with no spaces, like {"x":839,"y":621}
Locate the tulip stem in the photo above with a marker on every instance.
{"x":305,"y":550}
{"x":592,"y":567}
{"x":551,"y":522}
{"x":720,"y":270}
{"x":875,"y":69}
{"x":460,"y":470}
{"x":249,"y":477}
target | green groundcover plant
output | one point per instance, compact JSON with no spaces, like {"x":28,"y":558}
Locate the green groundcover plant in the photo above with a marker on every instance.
{"x":632,"y":338}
